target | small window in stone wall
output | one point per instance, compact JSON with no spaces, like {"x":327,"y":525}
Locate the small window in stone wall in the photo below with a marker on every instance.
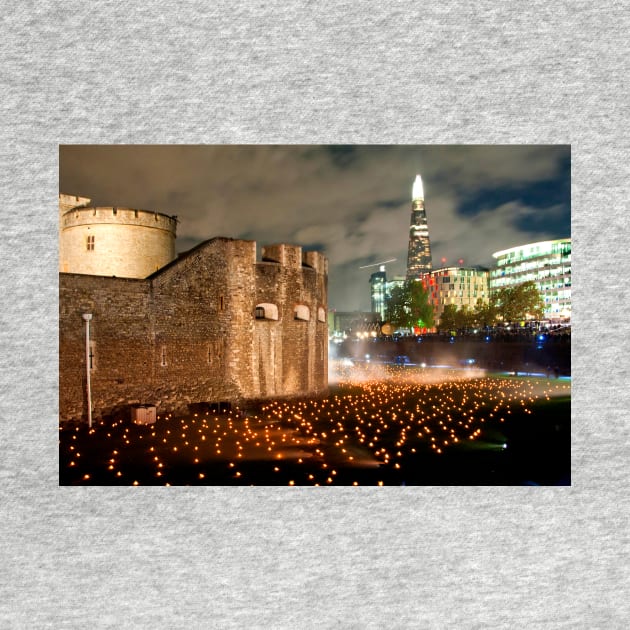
{"x":163,"y":357}
{"x":90,"y":243}
{"x":302,"y":313}
{"x":221,"y":303}
{"x":215,"y":351}
{"x":266,"y":311}
{"x":92,"y":356}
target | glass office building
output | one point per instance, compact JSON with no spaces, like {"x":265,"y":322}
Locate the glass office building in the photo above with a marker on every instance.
{"x":380,"y":291}
{"x":547,"y":263}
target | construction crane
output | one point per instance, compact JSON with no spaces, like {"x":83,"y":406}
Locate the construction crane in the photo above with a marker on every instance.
{"x":379,"y":263}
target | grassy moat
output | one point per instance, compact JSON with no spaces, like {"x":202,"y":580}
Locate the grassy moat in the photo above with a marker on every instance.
{"x":380,"y":425}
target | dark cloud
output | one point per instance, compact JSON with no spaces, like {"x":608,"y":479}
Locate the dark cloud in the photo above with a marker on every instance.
{"x":352,"y":202}
{"x":342,"y":155}
{"x":391,"y":203}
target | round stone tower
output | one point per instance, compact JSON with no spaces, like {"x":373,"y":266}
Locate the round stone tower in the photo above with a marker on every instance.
{"x":110,"y":241}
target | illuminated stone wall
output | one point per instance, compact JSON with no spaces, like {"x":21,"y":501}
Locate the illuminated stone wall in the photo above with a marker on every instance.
{"x":292,"y":352}
{"x":110,"y":241}
{"x":190,"y":334}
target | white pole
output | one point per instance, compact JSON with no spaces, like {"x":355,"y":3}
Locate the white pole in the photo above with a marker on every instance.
{"x":87,"y":317}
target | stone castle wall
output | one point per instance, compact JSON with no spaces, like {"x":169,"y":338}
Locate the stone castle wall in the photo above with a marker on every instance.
{"x":292,"y":351}
{"x":190,"y":333}
{"x":126,"y":243}
{"x":67,"y":202}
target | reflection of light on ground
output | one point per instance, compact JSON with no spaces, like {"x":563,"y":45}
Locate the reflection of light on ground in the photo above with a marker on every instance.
{"x":348,"y":371}
{"x":384,"y":417}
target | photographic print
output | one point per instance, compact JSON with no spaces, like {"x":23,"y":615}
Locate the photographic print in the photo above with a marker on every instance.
{"x":314,"y":315}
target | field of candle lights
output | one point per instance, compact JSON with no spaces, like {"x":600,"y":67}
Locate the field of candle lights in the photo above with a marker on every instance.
{"x":380,"y":425}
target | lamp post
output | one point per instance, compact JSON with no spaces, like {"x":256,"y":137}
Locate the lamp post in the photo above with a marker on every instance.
{"x":87,"y":317}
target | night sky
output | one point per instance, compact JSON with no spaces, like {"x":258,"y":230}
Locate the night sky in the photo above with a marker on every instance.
{"x":351,"y":202}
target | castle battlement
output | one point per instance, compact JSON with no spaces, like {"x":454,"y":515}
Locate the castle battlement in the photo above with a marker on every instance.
{"x":112,"y":215}
{"x":286,"y":255}
{"x":67,"y":202}
{"x":292,"y":257}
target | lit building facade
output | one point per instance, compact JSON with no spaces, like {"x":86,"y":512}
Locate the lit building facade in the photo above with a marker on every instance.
{"x":460,"y":286}
{"x":419,"y":254}
{"x":378,"y":292}
{"x":547,"y":263}
{"x":381,"y":290}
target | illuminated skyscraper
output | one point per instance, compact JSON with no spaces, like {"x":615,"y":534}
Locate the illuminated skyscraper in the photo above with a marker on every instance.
{"x":419,"y":256}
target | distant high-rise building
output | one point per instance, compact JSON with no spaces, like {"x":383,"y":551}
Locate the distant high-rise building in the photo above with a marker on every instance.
{"x":381,"y":290}
{"x":378,"y":294}
{"x":419,"y":256}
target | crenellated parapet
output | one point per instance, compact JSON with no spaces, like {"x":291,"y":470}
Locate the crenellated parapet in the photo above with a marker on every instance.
{"x":88,"y":215}
{"x":293,"y":257}
{"x":67,"y":202}
{"x":316,"y":261}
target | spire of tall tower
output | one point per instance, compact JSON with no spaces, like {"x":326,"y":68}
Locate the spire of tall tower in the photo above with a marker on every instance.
{"x":418,"y":190}
{"x":419,"y":256}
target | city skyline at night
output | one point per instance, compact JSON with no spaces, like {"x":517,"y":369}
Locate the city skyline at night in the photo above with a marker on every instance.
{"x":350,"y":202}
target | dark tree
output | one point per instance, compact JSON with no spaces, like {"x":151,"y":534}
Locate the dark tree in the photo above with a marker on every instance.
{"x":408,"y":306}
{"x":448,"y":320}
{"x":520,"y":302}
{"x":485,"y":314}
{"x":456,"y":319}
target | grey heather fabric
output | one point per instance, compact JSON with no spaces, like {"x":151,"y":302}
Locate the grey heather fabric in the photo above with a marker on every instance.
{"x":327,"y":72}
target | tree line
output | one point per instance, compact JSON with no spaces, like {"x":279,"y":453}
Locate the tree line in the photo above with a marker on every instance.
{"x":408,"y":306}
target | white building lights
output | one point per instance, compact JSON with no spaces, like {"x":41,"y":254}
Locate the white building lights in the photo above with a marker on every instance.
{"x":417,"y":191}
{"x":419,"y":253}
{"x":547,"y":263}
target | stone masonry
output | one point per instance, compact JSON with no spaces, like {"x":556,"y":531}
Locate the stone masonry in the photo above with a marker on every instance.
{"x":212,"y":326}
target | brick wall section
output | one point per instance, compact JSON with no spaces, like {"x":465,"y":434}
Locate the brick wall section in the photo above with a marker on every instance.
{"x":292,"y":354}
{"x":188,"y":333}
{"x":121,"y":336}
